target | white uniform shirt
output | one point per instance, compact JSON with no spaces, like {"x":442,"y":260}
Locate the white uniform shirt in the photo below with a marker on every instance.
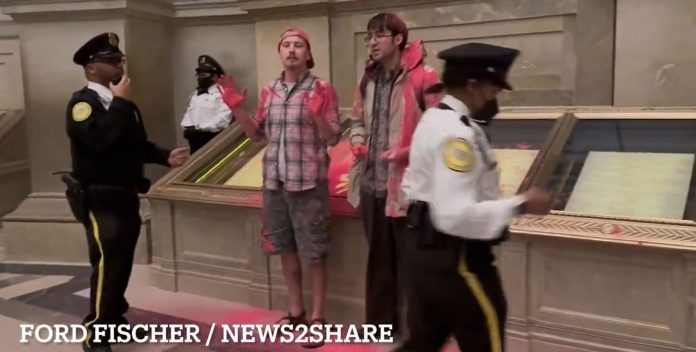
{"x":207,"y":112}
{"x":105,"y":94}
{"x":453,"y":169}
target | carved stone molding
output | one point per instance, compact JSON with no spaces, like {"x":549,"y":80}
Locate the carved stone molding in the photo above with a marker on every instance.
{"x":679,"y":235}
{"x":187,"y":10}
{"x":691,"y":299}
{"x":40,"y":10}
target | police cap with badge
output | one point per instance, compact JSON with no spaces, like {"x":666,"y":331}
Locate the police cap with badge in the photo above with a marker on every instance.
{"x":103,"y":46}
{"x":207,"y":64}
{"x":477,"y":61}
{"x":483,"y":62}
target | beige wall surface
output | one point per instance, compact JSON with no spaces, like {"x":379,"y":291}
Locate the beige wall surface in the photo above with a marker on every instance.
{"x":267,"y":35}
{"x":50,"y":78}
{"x":655,"y":53}
{"x":546,"y":32}
{"x":147,"y":44}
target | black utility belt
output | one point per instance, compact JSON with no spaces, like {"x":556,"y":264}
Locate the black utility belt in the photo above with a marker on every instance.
{"x":111,"y":189}
{"x":191,"y":129}
{"x":418,"y":219}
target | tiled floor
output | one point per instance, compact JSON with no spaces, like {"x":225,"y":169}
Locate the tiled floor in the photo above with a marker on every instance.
{"x":54,"y":294}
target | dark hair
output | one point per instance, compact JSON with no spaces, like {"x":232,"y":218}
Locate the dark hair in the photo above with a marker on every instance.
{"x":390,"y":22}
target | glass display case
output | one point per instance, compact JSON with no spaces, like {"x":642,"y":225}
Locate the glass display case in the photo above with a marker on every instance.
{"x":229,"y":171}
{"x":621,"y":175}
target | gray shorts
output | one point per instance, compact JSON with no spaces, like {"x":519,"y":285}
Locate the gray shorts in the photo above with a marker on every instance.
{"x":297,"y":222}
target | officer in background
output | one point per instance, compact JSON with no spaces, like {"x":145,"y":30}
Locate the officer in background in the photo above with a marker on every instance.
{"x":109,"y":146}
{"x":206,"y":115}
{"x":456,"y":214}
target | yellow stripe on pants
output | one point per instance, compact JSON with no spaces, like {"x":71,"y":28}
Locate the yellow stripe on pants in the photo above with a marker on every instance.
{"x":484,"y":302}
{"x":100,"y":273}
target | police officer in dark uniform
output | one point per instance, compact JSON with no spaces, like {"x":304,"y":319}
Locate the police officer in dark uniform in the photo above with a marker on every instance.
{"x":456,"y":214}
{"x":109,"y":146}
{"x":206,"y":115}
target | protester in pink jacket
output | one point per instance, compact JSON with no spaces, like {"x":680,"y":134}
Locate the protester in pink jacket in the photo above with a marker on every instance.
{"x":389,"y":102}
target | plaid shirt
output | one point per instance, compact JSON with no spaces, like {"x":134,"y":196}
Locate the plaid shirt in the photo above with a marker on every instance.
{"x":282,"y":111}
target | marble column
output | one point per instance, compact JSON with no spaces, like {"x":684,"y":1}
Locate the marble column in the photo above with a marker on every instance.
{"x":42,"y":228}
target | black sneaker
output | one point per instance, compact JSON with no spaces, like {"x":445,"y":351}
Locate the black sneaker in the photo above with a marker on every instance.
{"x":319,"y":343}
{"x":294,"y":321}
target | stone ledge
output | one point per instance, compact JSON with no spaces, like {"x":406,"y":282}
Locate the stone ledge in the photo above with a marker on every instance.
{"x":38,"y":10}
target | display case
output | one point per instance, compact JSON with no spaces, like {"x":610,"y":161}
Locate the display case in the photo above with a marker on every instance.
{"x":614,"y":261}
{"x":207,"y":220}
{"x":621,"y":175}
{"x":230,"y":172}
{"x":613,"y":266}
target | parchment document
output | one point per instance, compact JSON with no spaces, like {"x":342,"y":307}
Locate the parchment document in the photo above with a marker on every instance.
{"x":514,"y":165}
{"x":643,"y":185}
{"x":251,"y":174}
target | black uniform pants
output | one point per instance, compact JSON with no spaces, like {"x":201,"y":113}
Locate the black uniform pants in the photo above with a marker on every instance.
{"x":383,"y":279}
{"x":453,"y":291}
{"x":113,"y":227}
{"x":197,"y":139}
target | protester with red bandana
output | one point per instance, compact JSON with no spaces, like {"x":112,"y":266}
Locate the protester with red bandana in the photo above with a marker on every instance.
{"x":298,"y":118}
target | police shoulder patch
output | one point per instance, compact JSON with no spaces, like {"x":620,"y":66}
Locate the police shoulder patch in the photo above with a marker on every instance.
{"x":81,"y":111}
{"x":459,"y":155}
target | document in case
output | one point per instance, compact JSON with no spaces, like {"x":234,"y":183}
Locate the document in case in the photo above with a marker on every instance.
{"x":642,"y":185}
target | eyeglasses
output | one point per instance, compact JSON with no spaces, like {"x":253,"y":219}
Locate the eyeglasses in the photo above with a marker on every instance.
{"x":369,"y":37}
{"x":203,"y":74}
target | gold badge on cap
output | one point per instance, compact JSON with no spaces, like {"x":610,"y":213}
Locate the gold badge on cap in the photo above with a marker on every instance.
{"x":81,"y":111}
{"x":459,"y":155}
{"x":113,"y":41}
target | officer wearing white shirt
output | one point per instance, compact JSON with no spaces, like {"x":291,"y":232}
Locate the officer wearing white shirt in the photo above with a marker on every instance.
{"x":456,"y":214}
{"x":206,"y":115}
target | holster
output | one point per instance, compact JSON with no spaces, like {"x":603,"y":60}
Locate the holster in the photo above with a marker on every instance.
{"x":418,"y":218}
{"x":77,"y":198}
{"x":434,"y":251}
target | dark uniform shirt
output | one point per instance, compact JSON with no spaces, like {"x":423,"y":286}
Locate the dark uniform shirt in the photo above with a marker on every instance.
{"x":109,"y":145}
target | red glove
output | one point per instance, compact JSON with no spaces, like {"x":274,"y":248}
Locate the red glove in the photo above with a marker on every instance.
{"x":359,"y":151}
{"x":316,"y":101}
{"x":228,"y":89}
{"x":397,"y":155}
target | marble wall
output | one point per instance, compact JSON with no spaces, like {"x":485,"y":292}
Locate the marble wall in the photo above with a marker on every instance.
{"x":546,"y":32}
{"x":655,"y":54}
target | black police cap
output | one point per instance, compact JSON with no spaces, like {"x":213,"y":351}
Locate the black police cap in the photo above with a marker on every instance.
{"x":207,"y":64}
{"x":482,"y":61}
{"x":103,"y":45}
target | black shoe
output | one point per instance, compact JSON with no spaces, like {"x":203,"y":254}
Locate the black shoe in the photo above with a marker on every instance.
{"x":100,"y":347}
{"x":139,"y":335}
{"x":294,"y":321}
{"x":319,"y":343}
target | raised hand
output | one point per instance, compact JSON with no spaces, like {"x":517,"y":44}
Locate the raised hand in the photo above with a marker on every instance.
{"x":228,"y":90}
{"x":315,"y":101}
{"x":122,"y":88}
